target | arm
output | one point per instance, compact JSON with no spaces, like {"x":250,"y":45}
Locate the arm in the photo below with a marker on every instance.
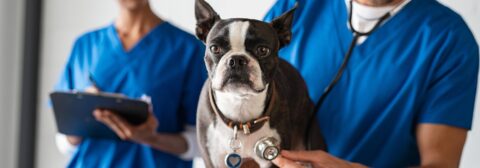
{"x":440,"y":145}
{"x":171,"y":143}
{"x":317,"y":159}
{"x":280,"y":7}
{"x":76,"y":140}
{"x":67,"y":144}
{"x":144,"y":133}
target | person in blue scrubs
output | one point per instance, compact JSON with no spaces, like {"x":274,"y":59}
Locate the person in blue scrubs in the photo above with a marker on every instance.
{"x":138,"y":55}
{"x":407,"y":94}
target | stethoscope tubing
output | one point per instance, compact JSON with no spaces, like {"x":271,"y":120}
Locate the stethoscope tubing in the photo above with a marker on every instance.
{"x":356,"y":35}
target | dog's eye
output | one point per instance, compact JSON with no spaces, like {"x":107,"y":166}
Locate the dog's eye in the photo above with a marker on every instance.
{"x":263,"y":51}
{"x":215,"y":49}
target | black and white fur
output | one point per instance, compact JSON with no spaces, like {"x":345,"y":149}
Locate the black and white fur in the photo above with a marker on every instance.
{"x":243,"y":64}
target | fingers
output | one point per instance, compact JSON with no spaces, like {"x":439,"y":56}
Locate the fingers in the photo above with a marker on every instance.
{"x":307,"y":156}
{"x":152,"y":120}
{"x":282,"y":162}
{"x":123,"y":125}
{"x":318,"y":158}
{"x":106,"y":117}
{"x":74,"y":140}
{"x":92,"y":89}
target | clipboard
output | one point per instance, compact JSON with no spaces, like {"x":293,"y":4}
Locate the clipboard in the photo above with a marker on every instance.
{"x":74,"y":112}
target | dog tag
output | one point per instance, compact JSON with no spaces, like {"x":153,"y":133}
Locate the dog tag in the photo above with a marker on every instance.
{"x":246,"y":129}
{"x":235,"y":144}
{"x":233,"y":160}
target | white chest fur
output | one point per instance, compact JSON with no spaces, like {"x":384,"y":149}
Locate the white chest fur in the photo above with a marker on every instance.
{"x":241,"y":105}
{"x":238,"y":106}
{"x":218,"y":138}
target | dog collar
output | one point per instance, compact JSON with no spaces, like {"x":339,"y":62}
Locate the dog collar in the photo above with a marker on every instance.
{"x":250,"y":126}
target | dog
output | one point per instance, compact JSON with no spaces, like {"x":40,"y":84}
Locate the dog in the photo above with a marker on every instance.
{"x":250,"y":93}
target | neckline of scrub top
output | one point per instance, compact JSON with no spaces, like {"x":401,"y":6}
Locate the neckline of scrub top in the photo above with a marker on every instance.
{"x":346,"y":36}
{"x":138,"y":47}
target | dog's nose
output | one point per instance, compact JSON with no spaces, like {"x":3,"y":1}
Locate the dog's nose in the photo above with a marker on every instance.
{"x":237,"y":61}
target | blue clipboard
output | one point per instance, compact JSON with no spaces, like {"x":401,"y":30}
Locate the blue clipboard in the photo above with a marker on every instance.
{"x":74,"y":112}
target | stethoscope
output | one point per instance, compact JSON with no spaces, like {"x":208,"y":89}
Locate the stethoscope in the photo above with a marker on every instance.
{"x":356,"y":35}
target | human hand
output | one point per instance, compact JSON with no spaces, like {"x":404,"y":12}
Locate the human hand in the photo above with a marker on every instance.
{"x":144,"y":133}
{"x":92,"y":89}
{"x":317,"y":159}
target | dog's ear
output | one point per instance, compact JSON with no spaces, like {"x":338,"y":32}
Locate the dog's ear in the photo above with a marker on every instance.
{"x":206,"y":18}
{"x":283,"y":26}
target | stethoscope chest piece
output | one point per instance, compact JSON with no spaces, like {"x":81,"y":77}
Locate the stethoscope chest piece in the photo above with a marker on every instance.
{"x":267,"y":148}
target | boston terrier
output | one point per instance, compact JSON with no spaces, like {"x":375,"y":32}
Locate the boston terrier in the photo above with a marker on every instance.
{"x":253,"y":103}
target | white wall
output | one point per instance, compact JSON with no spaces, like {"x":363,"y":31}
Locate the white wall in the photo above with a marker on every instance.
{"x":11,"y":32}
{"x":65,"y":20}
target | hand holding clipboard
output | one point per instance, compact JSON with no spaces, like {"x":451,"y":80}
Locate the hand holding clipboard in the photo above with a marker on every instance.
{"x":73,"y":113}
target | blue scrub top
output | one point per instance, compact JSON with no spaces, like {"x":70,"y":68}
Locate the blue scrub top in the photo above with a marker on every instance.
{"x":167,"y":65}
{"x":419,"y":67}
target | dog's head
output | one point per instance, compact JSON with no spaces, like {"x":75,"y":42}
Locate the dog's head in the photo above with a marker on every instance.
{"x":242,"y":54}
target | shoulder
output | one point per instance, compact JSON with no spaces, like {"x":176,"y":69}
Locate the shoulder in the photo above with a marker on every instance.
{"x":85,"y":43}
{"x":92,"y":36}
{"x":285,"y":5}
{"x":170,"y":37}
{"x":435,"y":10}
{"x":441,"y":20}
{"x":447,"y":37}
{"x":177,"y":38}
{"x":442,"y":30}
{"x":179,"y":33}
{"x":279,"y":7}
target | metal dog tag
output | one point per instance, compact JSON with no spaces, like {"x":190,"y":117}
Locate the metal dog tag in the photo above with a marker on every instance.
{"x":246,"y":129}
{"x":233,"y":160}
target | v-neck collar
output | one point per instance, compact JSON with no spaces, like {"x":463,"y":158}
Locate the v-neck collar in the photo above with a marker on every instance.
{"x":390,"y":26}
{"x":139,"y":46}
